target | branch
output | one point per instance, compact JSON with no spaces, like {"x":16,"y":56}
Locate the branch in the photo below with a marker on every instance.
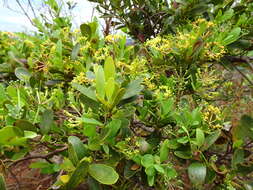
{"x":25,"y":13}
{"x":241,"y":59}
{"x":45,"y":157}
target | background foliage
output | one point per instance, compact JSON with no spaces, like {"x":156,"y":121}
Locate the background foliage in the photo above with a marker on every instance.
{"x":163,"y":113}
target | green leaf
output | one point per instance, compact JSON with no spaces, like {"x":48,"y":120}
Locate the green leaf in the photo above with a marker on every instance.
{"x":167,"y":106}
{"x":85,"y":91}
{"x":86,"y":30}
{"x":78,"y":175}
{"x":200,"y":137}
{"x":133,"y":88}
{"x":2,"y":182}
{"x":76,"y":149}
{"x":39,"y":165}
{"x":151,"y":180}
{"x":197,"y":173}
{"x":210,"y":139}
{"x":238,"y":157}
{"x":112,"y":129}
{"x":109,"y":89}
{"x":250,"y":53}
{"x":91,"y":121}
{"x":171,"y":173}
{"x":117,"y":96}
{"x":25,"y":125}
{"x":233,"y":36}
{"x":22,"y":74}
{"x":100,"y":82}
{"x":11,"y":136}
{"x":75,"y":51}
{"x":46,"y":122}
{"x":244,"y":129}
{"x":150,"y":171}
{"x":57,"y":59}
{"x":164,"y":151}
{"x":183,"y":154}
{"x":159,"y":168}
{"x":109,"y":68}
{"x":89,"y":130}
{"x":103,"y":173}
{"x":147,"y":160}
{"x":227,"y":15}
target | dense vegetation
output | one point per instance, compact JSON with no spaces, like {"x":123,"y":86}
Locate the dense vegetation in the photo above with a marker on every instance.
{"x":173,"y":110}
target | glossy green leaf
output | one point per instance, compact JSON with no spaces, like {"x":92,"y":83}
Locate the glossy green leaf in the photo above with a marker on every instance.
{"x":103,"y":173}
{"x":151,"y":180}
{"x":159,"y":168}
{"x":244,"y":129}
{"x":210,"y":139}
{"x":197,"y":173}
{"x":133,"y":88}
{"x":164,"y":151}
{"x":111,"y":131}
{"x":76,"y":149}
{"x":109,"y":68}
{"x":85,"y":91}
{"x":78,"y":175}
{"x":25,"y":125}
{"x":167,"y":106}
{"x":150,"y":171}
{"x":232,"y":36}
{"x":238,"y":157}
{"x":100,"y":82}
{"x":200,"y":137}
{"x":11,"y":136}
{"x":109,"y":89}
{"x":117,"y":97}
{"x":147,"y":160}
{"x":46,"y":122}
{"x":86,"y":30}
{"x":183,"y":154}
{"x":57,"y":59}
{"x":91,"y":121}
{"x":89,"y":130}
{"x":227,"y":15}
{"x":170,"y":172}
{"x":22,"y":74}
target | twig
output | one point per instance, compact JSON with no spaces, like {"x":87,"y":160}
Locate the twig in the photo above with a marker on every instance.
{"x":46,"y":156}
{"x":25,"y":13}
{"x":244,"y":76}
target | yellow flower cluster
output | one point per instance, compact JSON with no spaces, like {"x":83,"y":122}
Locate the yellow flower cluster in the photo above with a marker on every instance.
{"x":212,"y":116}
{"x":81,"y":79}
{"x":163,"y":91}
{"x":101,"y":54}
{"x":131,"y":147}
{"x":202,"y":20}
{"x":162,"y":45}
{"x":198,"y":41}
{"x":214,"y":50}
{"x":113,"y":38}
{"x":208,"y":81}
{"x":149,"y":84}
